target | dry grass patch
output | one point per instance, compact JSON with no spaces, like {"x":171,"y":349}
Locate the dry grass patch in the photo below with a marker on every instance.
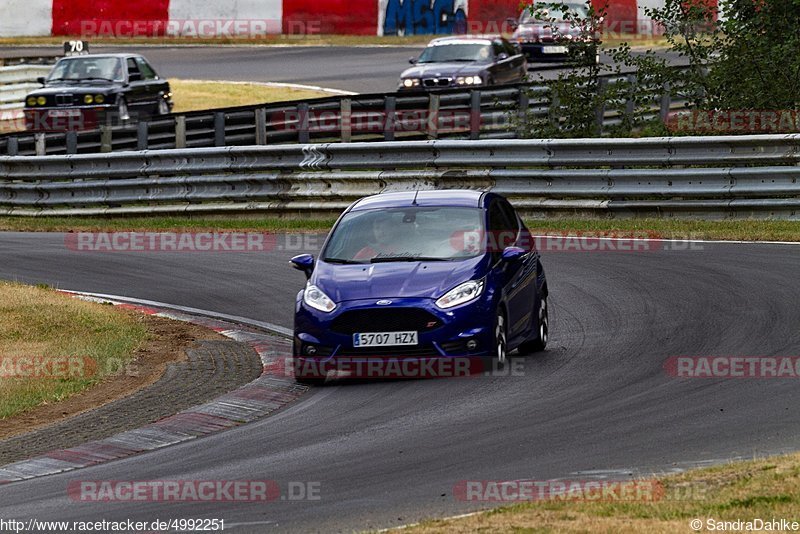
{"x":765,"y":489}
{"x":754,"y":230}
{"x":53,"y":346}
{"x":193,"y":95}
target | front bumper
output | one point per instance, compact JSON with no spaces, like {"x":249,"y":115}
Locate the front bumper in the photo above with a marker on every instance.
{"x":60,"y":119}
{"x":460,"y":337}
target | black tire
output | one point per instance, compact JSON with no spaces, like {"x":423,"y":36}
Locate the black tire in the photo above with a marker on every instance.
{"x":543,"y":330}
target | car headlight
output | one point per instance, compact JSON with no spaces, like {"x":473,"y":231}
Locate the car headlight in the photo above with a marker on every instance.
{"x":314,"y":297}
{"x":469,"y":80}
{"x":31,"y":101}
{"x":99,"y":99}
{"x":410,"y":82}
{"x":41,"y":101}
{"x":88,"y":99}
{"x":460,"y":294}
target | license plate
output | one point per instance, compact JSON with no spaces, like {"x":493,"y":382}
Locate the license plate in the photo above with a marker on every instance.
{"x":384,"y":339}
{"x":554,"y":49}
{"x":65,"y":113}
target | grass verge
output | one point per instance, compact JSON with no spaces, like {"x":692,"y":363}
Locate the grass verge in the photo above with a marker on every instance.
{"x":192,"y":95}
{"x":52,"y":345}
{"x":760,"y":489}
{"x":749,"y":230}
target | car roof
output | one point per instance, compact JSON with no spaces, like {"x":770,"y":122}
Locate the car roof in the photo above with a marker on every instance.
{"x":447,"y":197}
{"x":487,"y":38}
{"x":120,"y":56}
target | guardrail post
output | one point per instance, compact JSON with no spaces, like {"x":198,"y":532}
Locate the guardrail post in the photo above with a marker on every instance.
{"x":552,"y":111}
{"x":105,"y":138}
{"x":219,"y":128}
{"x":180,"y":131}
{"x":261,"y":126}
{"x":630,"y":102}
{"x":600,"y":112}
{"x":474,"y":114}
{"x":303,"y":135}
{"x":41,"y":144}
{"x":72,"y":142}
{"x":13,"y":146}
{"x":666,"y":102}
{"x":345,"y":120}
{"x":433,"y":115}
{"x":389,"y":107}
{"x":142,"y":130}
{"x":522,"y":112}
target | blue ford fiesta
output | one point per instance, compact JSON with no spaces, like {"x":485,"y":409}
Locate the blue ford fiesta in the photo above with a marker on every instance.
{"x":421,"y":275}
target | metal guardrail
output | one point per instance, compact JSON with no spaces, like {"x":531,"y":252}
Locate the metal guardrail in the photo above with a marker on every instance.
{"x":485,"y":113}
{"x":15,"y":83}
{"x":735,"y":176}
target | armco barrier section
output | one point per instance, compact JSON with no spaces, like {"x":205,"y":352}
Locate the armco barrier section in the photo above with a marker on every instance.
{"x":486,"y":113}
{"x":15,"y":83}
{"x":735,"y":176}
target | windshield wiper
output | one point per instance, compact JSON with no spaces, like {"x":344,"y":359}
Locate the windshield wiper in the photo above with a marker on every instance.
{"x":96,"y":78}
{"x":387,"y":259}
{"x":60,"y":80}
{"x":342,"y":261}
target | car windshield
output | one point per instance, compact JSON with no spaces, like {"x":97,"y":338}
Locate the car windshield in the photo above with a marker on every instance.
{"x":456,"y":51}
{"x":406,"y":234}
{"x":87,"y":68}
{"x":547,"y":12}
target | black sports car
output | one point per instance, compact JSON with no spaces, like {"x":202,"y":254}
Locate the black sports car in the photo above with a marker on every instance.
{"x":83,"y":92}
{"x":563,"y":27}
{"x":464,"y":61}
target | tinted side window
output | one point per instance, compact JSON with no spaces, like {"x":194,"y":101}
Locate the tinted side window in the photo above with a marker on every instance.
{"x":502,"y":229}
{"x":133,"y":70}
{"x":497,"y":48}
{"x":147,"y":71}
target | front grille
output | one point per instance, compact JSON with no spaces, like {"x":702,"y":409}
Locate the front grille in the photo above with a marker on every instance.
{"x":64,"y":100}
{"x":385,"y":320}
{"x":404,"y":351}
{"x":437,"y":82}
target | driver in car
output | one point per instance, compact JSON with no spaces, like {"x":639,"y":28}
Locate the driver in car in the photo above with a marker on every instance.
{"x":383,"y":241}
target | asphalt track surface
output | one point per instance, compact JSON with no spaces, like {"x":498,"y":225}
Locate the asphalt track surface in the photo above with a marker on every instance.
{"x":359,"y":69}
{"x":597,"y":403}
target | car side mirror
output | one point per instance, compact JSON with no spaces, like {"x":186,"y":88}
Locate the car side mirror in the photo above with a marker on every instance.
{"x":412,"y":60}
{"x":303,"y":262}
{"x":512,"y":254}
{"x":501,"y":56}
{"x":40,"y":80}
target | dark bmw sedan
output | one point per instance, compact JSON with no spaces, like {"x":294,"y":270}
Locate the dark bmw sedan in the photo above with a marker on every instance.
{"x":463,"y":61}
{"x":556,"y":31}
{"x":83,"y":92}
